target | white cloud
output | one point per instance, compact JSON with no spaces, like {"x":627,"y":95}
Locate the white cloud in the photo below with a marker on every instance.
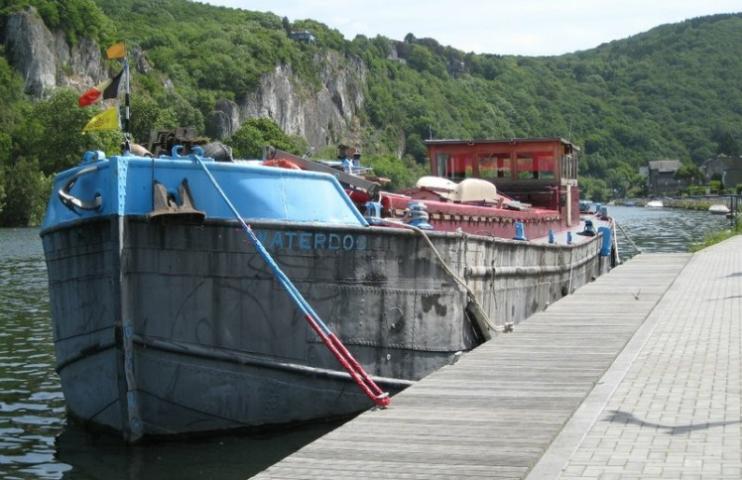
{"x":525,"y":27}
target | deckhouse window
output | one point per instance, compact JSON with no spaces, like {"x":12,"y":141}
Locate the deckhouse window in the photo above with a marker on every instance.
{"x":494,"y":166}
{"x":569,"y":166}
{"x":441,"y":164}
{"x":454,"y":166}
{"x":535,"y":165}
{"x":525,"y":167}
{"x":545,"y":165}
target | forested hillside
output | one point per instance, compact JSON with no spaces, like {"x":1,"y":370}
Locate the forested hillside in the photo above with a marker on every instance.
{"x":672,"y":92}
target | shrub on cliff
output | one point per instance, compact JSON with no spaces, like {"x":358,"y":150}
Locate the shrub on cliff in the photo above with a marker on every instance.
{"x":257,"y":133}
{"x":76,"y":18}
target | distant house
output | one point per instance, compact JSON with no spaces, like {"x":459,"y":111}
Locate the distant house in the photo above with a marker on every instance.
{"x":662,"y":177}
{"x":725,"y":167}
{"x":303,"y":36}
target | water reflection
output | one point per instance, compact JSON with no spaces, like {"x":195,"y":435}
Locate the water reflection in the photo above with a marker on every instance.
{"x":31,"y":401}
{"x":35,"y":438}
{"x":37,"y":441}
{"x":238,"y":456}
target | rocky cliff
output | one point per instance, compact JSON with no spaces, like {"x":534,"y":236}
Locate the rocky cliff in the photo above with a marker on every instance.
{"x":45,"y":59}
{"x":323,"y":114}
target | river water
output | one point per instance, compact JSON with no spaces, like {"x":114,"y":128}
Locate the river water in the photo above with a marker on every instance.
{"x":37,"y":441}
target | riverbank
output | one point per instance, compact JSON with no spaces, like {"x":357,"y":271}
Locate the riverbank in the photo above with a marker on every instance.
{"x":716,"y":237}
{"x":700,"y":203}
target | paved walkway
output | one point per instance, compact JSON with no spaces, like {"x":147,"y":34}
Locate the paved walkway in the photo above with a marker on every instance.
{"x":676,"y":413}
{"x":497,"y":411}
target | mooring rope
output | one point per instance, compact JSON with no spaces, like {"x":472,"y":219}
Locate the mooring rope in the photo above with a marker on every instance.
{"x":470,"y":294}
{"x":628,"y":237}
{"x":346,"y":359}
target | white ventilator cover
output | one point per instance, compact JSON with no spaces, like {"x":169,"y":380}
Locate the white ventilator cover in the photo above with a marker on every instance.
{"x":474,"y":190}
{"x":437,"y":184}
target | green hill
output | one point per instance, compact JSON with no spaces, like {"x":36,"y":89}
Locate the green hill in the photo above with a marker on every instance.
{"x":672,"y":92}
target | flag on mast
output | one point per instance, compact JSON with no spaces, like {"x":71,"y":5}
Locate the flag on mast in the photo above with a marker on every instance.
{"x":107,"y":89}
{"x":108,"y":119}
{"x":117,"y":50}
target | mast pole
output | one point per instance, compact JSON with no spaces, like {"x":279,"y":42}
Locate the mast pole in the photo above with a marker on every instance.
{"x":127,"y":105}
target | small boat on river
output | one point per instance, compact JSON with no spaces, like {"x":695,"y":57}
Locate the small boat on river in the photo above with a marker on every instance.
{"x":170,"y":318}
{"x":719,"y":209}
{"x":586,"y":206}
{"x":655,"y":204}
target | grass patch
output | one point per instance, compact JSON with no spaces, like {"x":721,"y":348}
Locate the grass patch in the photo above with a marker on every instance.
{"x":716,"y":237}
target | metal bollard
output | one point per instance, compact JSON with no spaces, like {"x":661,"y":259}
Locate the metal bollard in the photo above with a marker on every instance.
{"x":419,"y":216}
{"x":520,"y":232}
{"x":373,"y":213}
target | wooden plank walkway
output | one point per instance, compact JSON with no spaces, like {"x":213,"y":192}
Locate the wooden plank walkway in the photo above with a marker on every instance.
{"x":495,"y":412}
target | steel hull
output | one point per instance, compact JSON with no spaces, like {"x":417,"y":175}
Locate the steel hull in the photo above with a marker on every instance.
{"x":171,"y":329}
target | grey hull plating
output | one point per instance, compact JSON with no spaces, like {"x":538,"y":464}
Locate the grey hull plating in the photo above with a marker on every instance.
{"x":171,"y":329}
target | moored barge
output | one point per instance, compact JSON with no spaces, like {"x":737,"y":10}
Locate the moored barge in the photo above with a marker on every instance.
{"x":168,"y":321}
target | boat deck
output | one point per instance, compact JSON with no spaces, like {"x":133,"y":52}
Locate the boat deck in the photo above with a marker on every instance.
{"x":560,"y":237}
{"x":522,"y":400}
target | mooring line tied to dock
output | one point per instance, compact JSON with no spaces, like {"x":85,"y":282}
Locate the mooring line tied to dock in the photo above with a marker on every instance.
{"x":328,"y":338}
{"x":628,"y":237}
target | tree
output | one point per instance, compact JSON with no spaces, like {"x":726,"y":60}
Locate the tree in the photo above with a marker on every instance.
{"x":5,"y":149}
{"x":690,"y":173}
{"x":624,"y":180}
{"x":257,"y":133}
{"x":2,"y":190}
{"x":415,"y":147}
{"x":147,"y":116}
{"x":726,"y":140}
{"x":46,"y":140}
{"x":402,"y":173}
{"x":594,"y":189}
{"x":144,"y":113}
{"x":52,"y":133}
{"x":27,"y":189}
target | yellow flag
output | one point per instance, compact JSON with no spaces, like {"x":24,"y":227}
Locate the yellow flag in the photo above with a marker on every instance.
{"x":108,"y":119}
{"x":117,"y":50}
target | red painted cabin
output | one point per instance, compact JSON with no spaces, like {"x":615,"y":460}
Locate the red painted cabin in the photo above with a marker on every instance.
{"x":541,"y":172}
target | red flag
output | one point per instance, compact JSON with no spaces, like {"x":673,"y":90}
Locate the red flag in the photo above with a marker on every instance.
{"x":90,"y":96}
{"x":107,"y":89}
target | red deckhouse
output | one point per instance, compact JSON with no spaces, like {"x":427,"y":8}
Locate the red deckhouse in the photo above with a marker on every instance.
{"x":483,"y":187}
{"x":538,"y":171}
{"x":535,"y":183}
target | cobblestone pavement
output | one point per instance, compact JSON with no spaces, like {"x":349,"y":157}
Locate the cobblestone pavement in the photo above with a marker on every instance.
{"x":676,"y":414}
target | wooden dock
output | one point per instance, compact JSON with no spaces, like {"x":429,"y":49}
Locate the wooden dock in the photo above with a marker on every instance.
{"x":496,"y":411}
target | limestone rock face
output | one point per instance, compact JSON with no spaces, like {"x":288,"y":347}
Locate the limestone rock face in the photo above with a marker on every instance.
{"x":30,"y":49}
{"x":324,"y":115}
{"x":46,"y":60}
{"x":224,"y":120}
{"x":141,"y":63}
{"x":85,"y":66}
{"x":325,"y":112}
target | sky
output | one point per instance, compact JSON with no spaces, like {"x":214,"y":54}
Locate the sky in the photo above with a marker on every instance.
{"x":515,"y":27}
